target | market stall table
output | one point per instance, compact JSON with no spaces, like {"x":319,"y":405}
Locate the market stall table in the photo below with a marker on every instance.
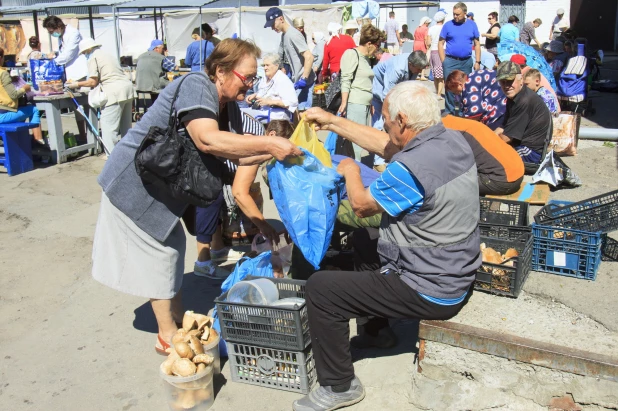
{"x":52,"y":105}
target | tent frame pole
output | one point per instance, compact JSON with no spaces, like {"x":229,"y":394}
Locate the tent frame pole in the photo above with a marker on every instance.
{"x":91,"y":22}
{"x":162,"y":30}
{"x":201,"y":58}
{"x":35,"y":20}
{"x":155,"y":23}
{"x":239,"y":20}
{"x":116,"y":36}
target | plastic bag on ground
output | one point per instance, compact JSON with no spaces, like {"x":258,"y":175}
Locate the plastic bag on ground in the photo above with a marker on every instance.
{"x":307,"y":195}
{"x":305,"y":137}
{"x":259,"y":266}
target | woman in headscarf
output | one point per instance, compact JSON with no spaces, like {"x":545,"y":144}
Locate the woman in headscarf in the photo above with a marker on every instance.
{"x":318,"y":51}
{"x":422,"y":40}
{"x":334,"y":49}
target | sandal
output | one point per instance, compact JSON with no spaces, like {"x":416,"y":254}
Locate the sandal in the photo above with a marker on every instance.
{"x":162,"y":346}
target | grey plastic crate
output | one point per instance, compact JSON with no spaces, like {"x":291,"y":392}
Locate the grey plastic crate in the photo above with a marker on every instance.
{"x":272,"y":368}
{"x":267,"y":326}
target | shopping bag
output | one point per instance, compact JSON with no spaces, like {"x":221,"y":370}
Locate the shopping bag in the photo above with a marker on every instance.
{"x":548,"y":172}
{"x":47,"y":76}
{"x":565,"y":133}
{"x":305,"y":136}
{"x":259,"y":266}
{"x":554,"y":171}
{"x":330,"y":144}
{"x":307,"y":195}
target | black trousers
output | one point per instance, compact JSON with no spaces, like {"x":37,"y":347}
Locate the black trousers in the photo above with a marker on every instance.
{"x":492,"y":187}
{"x":335,"y":297}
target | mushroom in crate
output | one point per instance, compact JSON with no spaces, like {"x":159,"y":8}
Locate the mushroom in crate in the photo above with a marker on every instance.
{"x":500,"y":278}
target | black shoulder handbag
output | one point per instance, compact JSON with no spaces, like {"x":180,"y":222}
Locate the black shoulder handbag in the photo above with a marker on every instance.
{"x":171,"y":161}
{"x":333,"y":91}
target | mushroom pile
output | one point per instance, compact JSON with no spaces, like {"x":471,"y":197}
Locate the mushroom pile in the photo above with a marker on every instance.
{"x":187,"y":355}
{"x":500,"y":279}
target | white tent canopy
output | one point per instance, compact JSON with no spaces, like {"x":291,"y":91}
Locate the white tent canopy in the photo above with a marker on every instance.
{"x":160,"y":4}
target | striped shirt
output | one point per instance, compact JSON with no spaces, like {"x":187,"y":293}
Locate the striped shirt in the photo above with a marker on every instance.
{"x":249,"y":126}
{"x":397,"y":190}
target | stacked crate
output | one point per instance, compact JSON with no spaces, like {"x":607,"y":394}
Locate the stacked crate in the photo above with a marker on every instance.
{"x":268,"y":345}
{"x":570,"y":239}
{"x":503,"y":224}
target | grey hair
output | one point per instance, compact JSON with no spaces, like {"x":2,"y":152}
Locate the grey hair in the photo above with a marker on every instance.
{"x":461,"y":6}
{"x":273,"y":58}
{"x":418,"y":59}
{"x":416,"y":102}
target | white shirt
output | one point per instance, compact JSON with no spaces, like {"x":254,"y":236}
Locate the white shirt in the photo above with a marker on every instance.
{"x":75,"y":64}
{"x":280,"y":87}
{"x":560,"y":23}
{"x":434,"y":32}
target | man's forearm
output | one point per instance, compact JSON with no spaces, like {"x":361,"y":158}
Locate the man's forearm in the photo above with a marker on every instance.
{"x":477,"y":50}
{"x":441,"y":52}
{"x":369,"y":138}
{"x":360,"y":199}
{"x":308,"y":64}
{"x":506,"y":138}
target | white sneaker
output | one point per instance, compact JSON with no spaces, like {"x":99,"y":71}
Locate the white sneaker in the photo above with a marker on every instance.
{"x":211,"y":271}
{"x":226,"y":254}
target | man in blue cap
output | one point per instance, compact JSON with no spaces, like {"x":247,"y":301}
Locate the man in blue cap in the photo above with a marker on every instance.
{"x":470,"y":16}
{"x":151,"y":68}
{"x":295,"y":51}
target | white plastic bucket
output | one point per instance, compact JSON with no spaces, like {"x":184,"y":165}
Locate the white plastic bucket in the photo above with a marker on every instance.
{"x":195,"y":392}
{"x":212,"y":348}
{"x":260,"y":291}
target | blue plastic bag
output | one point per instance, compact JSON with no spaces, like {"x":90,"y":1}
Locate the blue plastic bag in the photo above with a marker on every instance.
{"x":307,"y":196}
{"x":330,"y":144}
{"x":46,"y":71}
{"x":259,"y":266}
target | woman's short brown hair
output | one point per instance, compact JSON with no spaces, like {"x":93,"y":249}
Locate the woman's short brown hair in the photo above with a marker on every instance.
{"x":455,"y":78}
{"x":1,"y":52}
{"x":228,"y":55}
{"x":282,"y":128}
{"x":370,"y":34}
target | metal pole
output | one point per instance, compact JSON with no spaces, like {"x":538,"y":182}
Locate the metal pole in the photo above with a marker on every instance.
{"x":601,"y":134}
{"x":155,"y":22}
{"x":35,"y":19}
{"x":91,"y":22}
{"x":116,"y":36}
{"x":239,"y":20}
{"x":201,"y":58}
{"x":162,"y":30}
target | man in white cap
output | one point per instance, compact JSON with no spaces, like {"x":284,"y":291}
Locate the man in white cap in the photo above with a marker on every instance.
{"x":559,"y":26}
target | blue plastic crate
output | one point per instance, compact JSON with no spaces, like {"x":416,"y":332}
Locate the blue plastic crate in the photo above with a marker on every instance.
{"x":594,"y":214}
{"x":568,"y":252}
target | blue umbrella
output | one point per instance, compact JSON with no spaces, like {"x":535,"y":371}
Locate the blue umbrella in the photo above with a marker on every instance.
{"x":534,"y":59}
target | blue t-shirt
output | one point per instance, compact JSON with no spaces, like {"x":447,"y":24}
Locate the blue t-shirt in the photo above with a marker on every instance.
{"x":509,"y":32}
{"x":193,"y":54}
{"x":397,"y":190}
{"x":459,"y":37}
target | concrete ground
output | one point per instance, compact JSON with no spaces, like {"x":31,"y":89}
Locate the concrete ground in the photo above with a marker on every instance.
{"x":69,"y":343}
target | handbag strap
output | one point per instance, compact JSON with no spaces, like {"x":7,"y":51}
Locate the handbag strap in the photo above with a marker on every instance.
{"x":173,"y":117}
{"x":98,"y":72}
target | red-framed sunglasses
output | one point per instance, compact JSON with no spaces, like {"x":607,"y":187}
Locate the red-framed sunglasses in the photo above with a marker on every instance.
{"x":247,"y":81}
